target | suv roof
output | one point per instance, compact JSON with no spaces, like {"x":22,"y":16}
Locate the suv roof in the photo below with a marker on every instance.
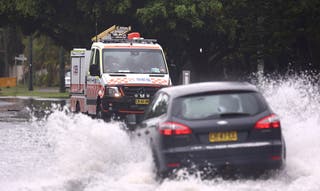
{"x":195,"y":88}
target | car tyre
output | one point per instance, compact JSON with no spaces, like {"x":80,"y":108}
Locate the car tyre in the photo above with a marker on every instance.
{"x":159,"y":175}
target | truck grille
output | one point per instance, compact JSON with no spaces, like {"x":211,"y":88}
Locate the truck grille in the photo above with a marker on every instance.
{"x":132,"y":90}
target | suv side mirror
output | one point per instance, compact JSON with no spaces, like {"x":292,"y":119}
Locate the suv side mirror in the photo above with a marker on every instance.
{"x":94,"y":70}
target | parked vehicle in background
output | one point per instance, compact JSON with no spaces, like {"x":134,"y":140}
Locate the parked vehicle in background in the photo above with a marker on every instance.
{"x":118,"y":76}
{"x":214,"y":125}
{"x":67,"y":79}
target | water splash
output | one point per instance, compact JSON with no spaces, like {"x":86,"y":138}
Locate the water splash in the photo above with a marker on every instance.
{"x":296,"y":96}
{"x":75,"y":152}
{"x":80,"y":152}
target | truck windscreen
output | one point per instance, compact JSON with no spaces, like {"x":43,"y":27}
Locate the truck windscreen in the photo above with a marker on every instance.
{"x":144,"y":61}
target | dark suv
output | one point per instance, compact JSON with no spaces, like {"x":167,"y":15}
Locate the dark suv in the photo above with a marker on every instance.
{"x":222,"y":125}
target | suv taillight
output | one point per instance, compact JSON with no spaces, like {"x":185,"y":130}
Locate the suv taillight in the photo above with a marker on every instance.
{"x":271,"y":121}
{"x":173,"y":128}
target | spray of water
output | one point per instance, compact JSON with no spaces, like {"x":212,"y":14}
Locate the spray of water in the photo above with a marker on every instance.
{"x":65,"y":151}
{"x":79,"y":152}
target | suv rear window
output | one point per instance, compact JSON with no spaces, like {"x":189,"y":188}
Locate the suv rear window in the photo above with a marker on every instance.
{"x":211,"y":106}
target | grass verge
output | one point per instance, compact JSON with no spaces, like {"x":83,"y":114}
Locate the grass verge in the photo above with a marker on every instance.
{"x":37,"y":92}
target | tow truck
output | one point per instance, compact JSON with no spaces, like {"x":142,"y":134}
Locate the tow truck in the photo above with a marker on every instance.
{"x":119,"y":76}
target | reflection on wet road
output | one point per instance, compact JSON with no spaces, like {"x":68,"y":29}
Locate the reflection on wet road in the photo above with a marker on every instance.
{"x":23,"y":109}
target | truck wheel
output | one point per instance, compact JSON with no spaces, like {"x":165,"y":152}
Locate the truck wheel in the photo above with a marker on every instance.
{"x":98,"y":112}
{"x":77,"y":107}
{"x":102,"y":115}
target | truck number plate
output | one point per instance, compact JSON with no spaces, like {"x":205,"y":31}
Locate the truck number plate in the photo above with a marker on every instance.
{"x":223,"y":136}
{"x":142,"y":101}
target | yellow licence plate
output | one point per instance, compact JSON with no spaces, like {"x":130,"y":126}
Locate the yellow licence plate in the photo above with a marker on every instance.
{"x":142,"y":101}
{"x":223,"y":136}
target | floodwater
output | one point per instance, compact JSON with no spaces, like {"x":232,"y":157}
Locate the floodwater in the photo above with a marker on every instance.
{"x":46,"y":148}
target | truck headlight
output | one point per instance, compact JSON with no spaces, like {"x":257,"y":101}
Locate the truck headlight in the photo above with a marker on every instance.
{"x":113,"y":92}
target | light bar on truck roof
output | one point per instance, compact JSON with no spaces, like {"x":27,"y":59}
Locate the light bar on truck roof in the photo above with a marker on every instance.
{"x":119,"y":34}
{"x":138,"y":40}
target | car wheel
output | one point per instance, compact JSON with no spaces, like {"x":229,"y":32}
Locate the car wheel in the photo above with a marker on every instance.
{"x":159,"y":176}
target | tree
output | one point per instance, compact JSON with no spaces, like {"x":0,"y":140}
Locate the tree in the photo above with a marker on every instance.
{"x":219,"y":39}
{"x":196,"y":28}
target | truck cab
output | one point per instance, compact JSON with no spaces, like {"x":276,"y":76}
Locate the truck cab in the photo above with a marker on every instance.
{"x":123,"y":74}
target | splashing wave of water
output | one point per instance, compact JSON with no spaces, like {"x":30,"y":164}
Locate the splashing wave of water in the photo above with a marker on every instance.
{"x":75,"y":152}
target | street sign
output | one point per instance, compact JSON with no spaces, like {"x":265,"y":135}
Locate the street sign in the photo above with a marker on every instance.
{"x":21,"y":58}
{"x":185,"y":76}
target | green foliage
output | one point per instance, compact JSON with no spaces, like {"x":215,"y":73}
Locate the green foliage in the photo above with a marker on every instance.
{"x":153,"y":11}
{"x":45,"y":61}
{"x":28,"y":8}
{"x":38,"y":92}
{"x":232,"y":34}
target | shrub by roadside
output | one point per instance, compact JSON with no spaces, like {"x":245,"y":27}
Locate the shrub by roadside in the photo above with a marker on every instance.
{"x":52,"y":92}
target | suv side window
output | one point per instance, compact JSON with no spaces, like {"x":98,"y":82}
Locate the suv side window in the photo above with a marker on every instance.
{"x":158,"y":107}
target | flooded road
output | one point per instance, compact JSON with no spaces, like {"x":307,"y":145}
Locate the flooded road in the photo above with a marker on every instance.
{"x":46,"y":148}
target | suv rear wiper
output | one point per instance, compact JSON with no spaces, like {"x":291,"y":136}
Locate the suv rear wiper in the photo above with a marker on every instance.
{"x":229,"y":114}
{"x":233,"y":114}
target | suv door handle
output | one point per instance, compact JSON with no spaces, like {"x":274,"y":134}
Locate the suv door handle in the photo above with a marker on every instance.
{"x":146,"y":132}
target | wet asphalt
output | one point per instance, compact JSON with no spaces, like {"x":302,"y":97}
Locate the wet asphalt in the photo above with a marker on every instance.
{"x":17,"y":109}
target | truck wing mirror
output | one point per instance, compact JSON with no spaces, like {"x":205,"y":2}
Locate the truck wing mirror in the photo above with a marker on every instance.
{"x":94,"y":70}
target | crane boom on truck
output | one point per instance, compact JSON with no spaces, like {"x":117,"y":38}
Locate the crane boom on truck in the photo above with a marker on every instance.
{"x":118,"y":76}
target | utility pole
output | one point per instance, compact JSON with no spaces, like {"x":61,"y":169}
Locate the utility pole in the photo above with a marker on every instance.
{"x":62,"y":71}
{"x":30,"y":64}
{"x":260,"y":48}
